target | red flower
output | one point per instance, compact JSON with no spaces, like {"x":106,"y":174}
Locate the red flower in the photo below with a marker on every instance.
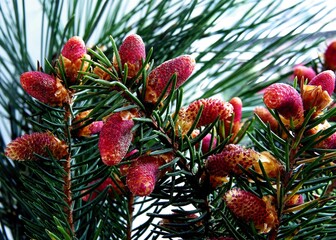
{"x":157,"y":80}
{"x":44,"y":87}
{"x":27,"y":146}
{"x":250,"y":208}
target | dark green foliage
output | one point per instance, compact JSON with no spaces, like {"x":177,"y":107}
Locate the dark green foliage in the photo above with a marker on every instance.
{"x":253,"y":47}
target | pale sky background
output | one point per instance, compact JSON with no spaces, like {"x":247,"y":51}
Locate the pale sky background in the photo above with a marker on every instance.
{"x":34,"y":15}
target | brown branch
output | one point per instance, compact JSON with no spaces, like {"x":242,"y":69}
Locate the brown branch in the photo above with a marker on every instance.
{"x":67,"y":178}
{"x":130,"y":214}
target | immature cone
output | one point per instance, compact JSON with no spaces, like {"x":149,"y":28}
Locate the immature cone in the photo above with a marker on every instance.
{"x":303,"y":73}
{"x":115,"y":137}
{"x":144,"y":172}
{"x":115,"y":188}
{"x":72,"y":54}
{"x":132,"y":52}
{"x":212,"y":108}
{"x":318,"y":92}
{"x":270,"y":164}
{"x":287,"y":101}
{"x":82,"y":129}
{"x":330,"y":56}
{"x":44,"y":87}
{"x":237,"y":104}
{"x":207,"y":141}
{"x":295,"y":200}
{"x":267,"y":118}
{"x":27,"y":146}
{"x":250,"y":208}
{"x":157,"y":80}
{"x":227,"y":162}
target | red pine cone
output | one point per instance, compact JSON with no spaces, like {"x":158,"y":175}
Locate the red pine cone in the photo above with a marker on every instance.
{"x":212,"y":108}
{"x":44,"y":87}
{"x":74,"y":50}
{"x":132,"y":52}
{"x":85,"y":130}
{"x":286,"y":100}
{"x":303,"y":73}
{"x":250,"y":208}
{"x":157,"y":80}
{"x":220,"y":165}
{"x":115,"y":137}
{"x":144,"y":172}
{"x":267,"y":117}
{"x":330,"y":56}
{"x":326,"y":80}
{"x":26,"y":146}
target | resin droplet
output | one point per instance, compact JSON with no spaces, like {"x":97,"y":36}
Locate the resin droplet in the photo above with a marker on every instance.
{"x":250,"y":208}
{"x":182,"y":66}
{"x":44,"y":87}
{"x":115,"y":137}
{"x":26,"y":146}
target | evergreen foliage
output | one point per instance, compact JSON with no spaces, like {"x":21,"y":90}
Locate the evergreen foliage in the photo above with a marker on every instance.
{"x":240,"y":48}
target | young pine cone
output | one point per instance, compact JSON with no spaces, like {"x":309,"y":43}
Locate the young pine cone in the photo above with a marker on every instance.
{"x":250,"y":208}
{"x":44,"y":87}
{"x":27,"y":146}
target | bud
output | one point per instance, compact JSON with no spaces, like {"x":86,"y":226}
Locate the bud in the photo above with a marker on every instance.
{"x":303,"y":73}
{"x":295,"y":200}
{"x":115,"y":137}
{"x":157,"y":80}
{"x":267,"y":118}
{"x":315,"y":96}
{"x":250,"y":208}
{"x":27,"y":146}
{"x":330,"y":56}
{"x":237,"y":104}
{"x":132,"y":52}
{"x":73,"y":52}
{"x":144,"y":172}
{"x":82,"y":129}
{"x":270,"y":164}
{"x":206,"y":141}
{"x":227,"y":162}
{"x":212,"y":108}
{"x":115,"y":187}
{"x":287,"y":101}
{"x":44,"y":87}
{"x":326,"y":80}
{"x":329,"y":143}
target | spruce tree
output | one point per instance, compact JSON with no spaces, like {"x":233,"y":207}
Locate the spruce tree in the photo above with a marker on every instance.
{"x":168,"y":120}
